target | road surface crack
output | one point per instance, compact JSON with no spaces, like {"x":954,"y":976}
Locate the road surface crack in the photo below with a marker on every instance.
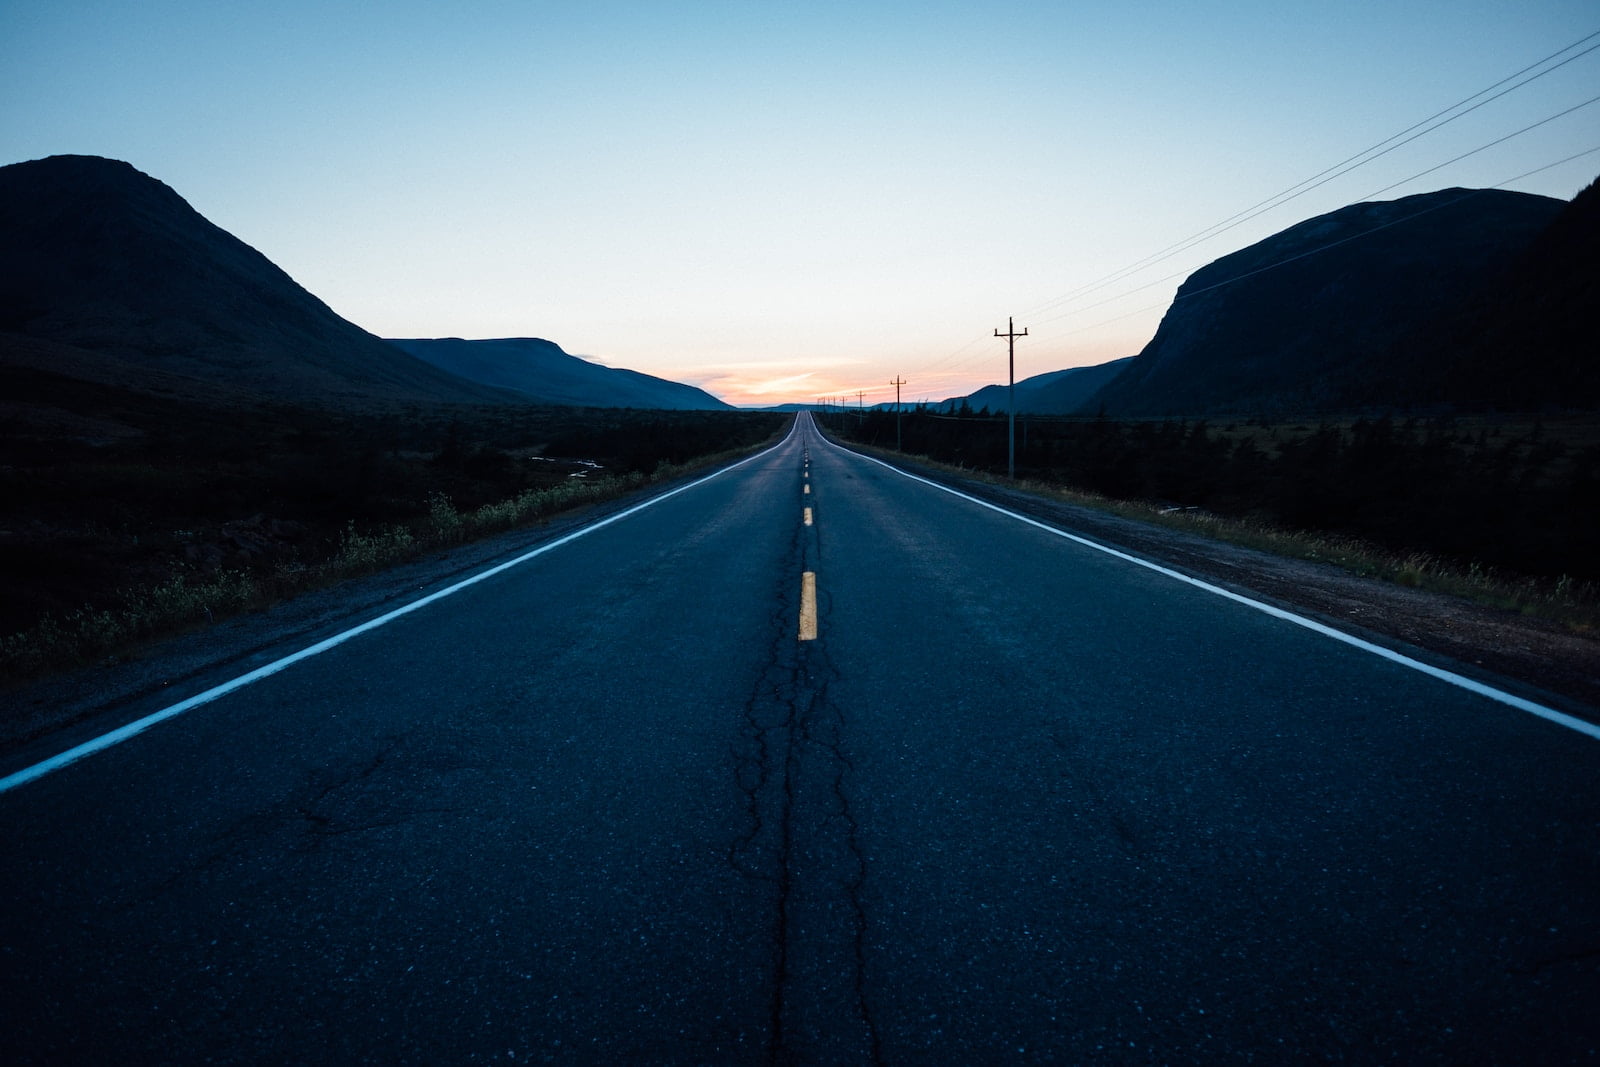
{"x":802,"y":838}
{"x":825,"y":729}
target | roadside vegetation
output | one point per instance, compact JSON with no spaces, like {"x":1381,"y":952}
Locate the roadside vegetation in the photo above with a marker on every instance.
{"x":200,"y":514}
{"x":1503,"y":510}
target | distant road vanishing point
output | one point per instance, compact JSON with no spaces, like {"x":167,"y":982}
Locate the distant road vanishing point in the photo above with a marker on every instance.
{"x":812,"y":761}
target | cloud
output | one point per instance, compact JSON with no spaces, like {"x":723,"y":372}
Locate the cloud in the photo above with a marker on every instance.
{"x":778,"y":385}
{"x":778,"y":364}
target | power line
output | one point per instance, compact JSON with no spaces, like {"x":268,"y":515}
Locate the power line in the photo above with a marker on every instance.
{"x":1313,"y":251}
{"x":941,"y":363}
{"x":1321,"y":178}
{"x":1369,"y":196}
{"x":1324,"y":248}
{"x":1549,"y":166}
{"x":954,"y":362}
{"x":1484,"y":148}
{"x":1155,"y":307}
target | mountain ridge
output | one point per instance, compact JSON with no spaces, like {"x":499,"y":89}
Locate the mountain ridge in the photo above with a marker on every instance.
{"x":101,"y":258}
{"x":1057,"y":392}
{"x":541,"y":370}
{"x":1287,"y":323}
{"x":109,"y":275}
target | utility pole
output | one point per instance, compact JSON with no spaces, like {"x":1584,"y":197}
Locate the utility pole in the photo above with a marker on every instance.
{"x":1011,"y":336}
{"x":897,"y":383}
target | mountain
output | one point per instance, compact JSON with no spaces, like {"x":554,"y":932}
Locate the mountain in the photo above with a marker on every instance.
{"x":541,"y":371}
{"x":1057,"y":392}
{"x":1295,"y":323}
{"x":108,"y":275}
{"x":1526,"y":341}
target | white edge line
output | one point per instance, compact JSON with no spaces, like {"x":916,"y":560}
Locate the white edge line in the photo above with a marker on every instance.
{"x":121,"y":734}
{"x":1561,"y":718}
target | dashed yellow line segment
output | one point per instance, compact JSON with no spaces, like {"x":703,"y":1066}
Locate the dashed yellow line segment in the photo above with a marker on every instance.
{"x":808,"y":606}
{"x":808,"y":579}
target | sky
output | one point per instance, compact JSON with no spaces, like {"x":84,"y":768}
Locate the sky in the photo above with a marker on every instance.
{"x":781,"y":201}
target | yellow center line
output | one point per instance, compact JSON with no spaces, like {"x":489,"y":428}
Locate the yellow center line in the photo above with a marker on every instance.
{"x":808,"y":606}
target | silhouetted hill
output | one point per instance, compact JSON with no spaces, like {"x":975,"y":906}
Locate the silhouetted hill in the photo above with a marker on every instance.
{"x":1527,"y":340}
{"x":117,"y":276}
{"x":1057,"y":392}
{"x":540,"y":370}
{"x":1293,"y":323}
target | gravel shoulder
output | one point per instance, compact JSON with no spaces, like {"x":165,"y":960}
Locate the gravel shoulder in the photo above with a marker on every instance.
{"x":1528,"y":657}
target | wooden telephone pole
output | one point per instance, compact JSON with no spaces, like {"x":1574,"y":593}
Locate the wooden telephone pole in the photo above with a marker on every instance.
{"x":897,"y":383}
{"x":1011,"y":336}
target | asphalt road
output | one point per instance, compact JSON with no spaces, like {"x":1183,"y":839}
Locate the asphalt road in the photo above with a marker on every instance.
{"x":1018,"y":800}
